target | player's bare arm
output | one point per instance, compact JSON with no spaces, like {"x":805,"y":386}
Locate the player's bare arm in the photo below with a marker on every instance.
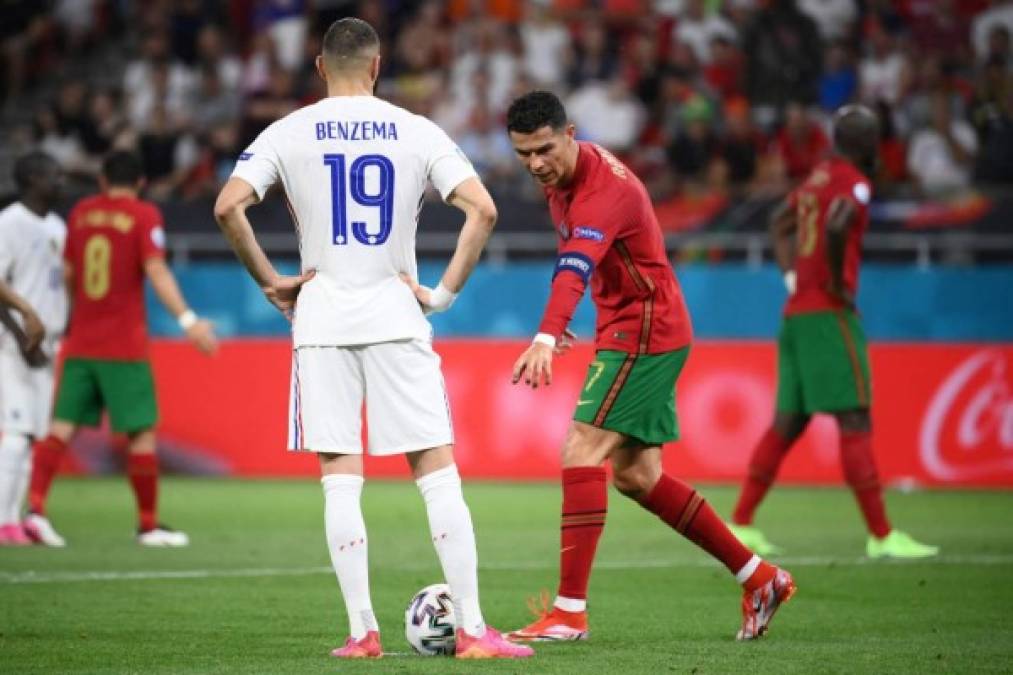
{"x":230,"y":212}
{"x":198,"y":331}
{"x":480,"y":215}
{"x":30,"y":336}
{"x":783,"y":225}
{"x":840,"y":216}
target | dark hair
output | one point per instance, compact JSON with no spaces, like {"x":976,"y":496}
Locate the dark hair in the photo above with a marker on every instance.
{"x":347,"y":38}
{"x":29,"y":166}
{"x":856,"y":133}
{"x":122,"y":168}
{"x":534,"y":110}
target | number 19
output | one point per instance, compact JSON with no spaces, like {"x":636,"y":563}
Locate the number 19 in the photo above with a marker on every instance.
{"x":356,"y":186}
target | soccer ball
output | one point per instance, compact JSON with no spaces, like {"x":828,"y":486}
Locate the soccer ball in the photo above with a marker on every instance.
{"x":429,"y":621}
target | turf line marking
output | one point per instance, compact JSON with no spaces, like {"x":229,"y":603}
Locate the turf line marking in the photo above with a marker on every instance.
{"x":32,"y":577}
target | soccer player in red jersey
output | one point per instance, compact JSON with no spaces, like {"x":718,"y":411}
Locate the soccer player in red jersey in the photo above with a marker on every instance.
{"x":114,"y":241}
{"x":823,"y":365}
{"x":609,"y":238}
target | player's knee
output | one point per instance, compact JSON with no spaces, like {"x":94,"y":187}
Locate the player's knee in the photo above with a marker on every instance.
{"x":854,"y":421}
{"x":633,"y":481}
{"x":582,"y":447}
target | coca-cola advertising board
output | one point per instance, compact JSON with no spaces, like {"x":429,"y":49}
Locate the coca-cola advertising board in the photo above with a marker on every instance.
{"x":942,"y":413}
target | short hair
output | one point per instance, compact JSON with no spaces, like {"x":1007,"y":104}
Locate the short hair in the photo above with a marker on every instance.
{"x":347,"y":39}
{"x":534,"y":110}
{"x":28,"y":166}
{"x":856,"y":132}
{"x":122,"y":168}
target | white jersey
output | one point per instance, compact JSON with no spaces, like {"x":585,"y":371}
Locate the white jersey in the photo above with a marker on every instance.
{"x":354,"y":170}
{"x":31,"y":263}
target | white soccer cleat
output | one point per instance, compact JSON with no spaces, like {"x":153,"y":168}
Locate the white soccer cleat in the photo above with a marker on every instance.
{"x":162,"y":536}
{"x":40,"y":530}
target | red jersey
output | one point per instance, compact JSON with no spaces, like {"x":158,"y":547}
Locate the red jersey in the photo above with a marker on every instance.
{"x":609,"y":237}
{"x":832,"y":179}
{"x":108,"y":241}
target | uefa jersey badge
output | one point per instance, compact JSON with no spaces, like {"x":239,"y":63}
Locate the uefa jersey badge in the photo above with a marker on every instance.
{"x":564,"y":230}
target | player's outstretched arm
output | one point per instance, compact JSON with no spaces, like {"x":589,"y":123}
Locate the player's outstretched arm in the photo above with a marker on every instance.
{"x":28,"y":338}
{"x":199,"y":331}
{"x":841,"y":215}
{"x":480,"y":215}
{"x":783,"y":225}
{"x":230,"y":212}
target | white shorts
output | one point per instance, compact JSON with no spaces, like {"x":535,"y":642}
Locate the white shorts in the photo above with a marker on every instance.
{"x":26,"y":395}
{"x":400,"y":384}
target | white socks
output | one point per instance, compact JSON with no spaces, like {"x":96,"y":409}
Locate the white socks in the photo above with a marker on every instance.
{"x":742,"y":576}
{"x":15,"y":465}
{"x":454,"y":539}
{"x":346,"y":540}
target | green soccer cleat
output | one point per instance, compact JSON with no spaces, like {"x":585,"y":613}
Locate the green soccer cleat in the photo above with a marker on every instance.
{"x":752,"y":538}
{"x":898,"y":544}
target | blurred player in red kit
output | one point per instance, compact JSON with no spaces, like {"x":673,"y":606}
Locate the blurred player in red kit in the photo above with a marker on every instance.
{"x":609,"y":239}
{"x":114,"y":241}
{"x":823,"y":364}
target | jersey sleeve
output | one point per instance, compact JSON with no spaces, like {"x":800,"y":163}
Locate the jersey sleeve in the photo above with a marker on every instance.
{"x":446,"y":165}
{"x":8,"y":252}
{"x":259,"y":165}
{"x":590,"y":238}
{"x":151,"y":234}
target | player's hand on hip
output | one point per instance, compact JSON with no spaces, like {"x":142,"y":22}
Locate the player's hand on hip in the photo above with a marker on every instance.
{"x":431,"y":300}
{"x":34,"y":332}
{"x":202,"y":335}
{"x":566,"y":342}
{"x":534,"y":365}
{"x":283,"y":291}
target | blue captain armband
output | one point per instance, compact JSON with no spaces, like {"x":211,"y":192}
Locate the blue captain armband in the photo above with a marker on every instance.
{"x":578,"y":263}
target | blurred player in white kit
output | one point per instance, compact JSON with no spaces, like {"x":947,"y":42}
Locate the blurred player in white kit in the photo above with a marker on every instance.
{"x":32,"y":284}
{"x":354,"y":170}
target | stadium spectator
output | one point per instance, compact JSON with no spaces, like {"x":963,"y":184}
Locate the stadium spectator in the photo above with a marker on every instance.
{"x":212,"y":53}
{"x":941,"y":156}
{"x":741,"y":144}
{"x":801,"y":143}
{"x":992,"y":116}
{"x":723,"y":73}
{"x":213,"y":102}
{"x":884,"y":71}
{"x":991,"y":31}
{"x":155,"y":79}
{"x":167,"y":154}
{"x":892,"y":150}
{"x":594,"y":54}
{"x":285,"y":23}
{"x":839,"y":80}
{"x":546,"y":43}
{"x":485,"y":144}
{"x":264,"y":107}
{"x":696,"y":145}
{"x":942,"y":30}
{"x":785,"y":58}
{"x":697,"y":27}
{"x":834,"y":18}
{"x":607,"y":113}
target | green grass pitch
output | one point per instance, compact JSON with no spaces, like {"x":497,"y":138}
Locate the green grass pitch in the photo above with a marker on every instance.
{"x":254,"y":593}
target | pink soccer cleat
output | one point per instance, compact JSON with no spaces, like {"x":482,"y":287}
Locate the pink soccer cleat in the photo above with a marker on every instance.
{"x":365,"y":648}
{"x":492,"y":645}
{"x":759,"y":606}
{"x":12,"y":534}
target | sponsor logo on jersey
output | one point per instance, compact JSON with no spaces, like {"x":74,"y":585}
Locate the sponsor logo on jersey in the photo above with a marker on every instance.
{"x":243,"y":156}
{"x":588,"y":233}
{"x":364,"y":130}
{"x":577,"y":263}
{"x":967,"y":430}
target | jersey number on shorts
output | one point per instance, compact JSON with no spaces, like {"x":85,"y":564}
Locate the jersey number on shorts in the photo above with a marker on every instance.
{"x":355,"y":181}
{"x":97,"y":258}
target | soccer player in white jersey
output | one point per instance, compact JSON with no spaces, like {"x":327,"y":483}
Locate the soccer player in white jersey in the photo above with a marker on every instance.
{"x":31,"y":267}
{"x":354,"y":170}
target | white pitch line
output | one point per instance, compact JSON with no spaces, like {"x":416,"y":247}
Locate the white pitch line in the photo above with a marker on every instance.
{"x":32,"y":577}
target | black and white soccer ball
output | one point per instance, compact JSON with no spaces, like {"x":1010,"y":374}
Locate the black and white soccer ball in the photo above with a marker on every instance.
{"x":429,"y":621}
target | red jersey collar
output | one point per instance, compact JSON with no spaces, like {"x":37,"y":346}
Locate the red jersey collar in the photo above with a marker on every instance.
{"x":585,"y":158}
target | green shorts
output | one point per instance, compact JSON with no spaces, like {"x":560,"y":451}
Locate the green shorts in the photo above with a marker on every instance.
{"x":822,"y":363}
{"x":633,"y":394}
{"x":125,"y":389}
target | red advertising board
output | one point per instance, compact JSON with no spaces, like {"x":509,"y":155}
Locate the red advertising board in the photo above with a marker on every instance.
{"x":943,"y":414}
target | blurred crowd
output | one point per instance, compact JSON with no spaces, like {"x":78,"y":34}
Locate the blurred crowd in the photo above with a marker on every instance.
{"x":701,"y":97}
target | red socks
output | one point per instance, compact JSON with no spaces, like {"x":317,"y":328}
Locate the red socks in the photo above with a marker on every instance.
{"x":690,"y":515}
{"x":143,"y":473}
{"x":859,"y":468}
{"x":46,"y":457}
{"x":585,"y":502}
{"x":763,"y":466}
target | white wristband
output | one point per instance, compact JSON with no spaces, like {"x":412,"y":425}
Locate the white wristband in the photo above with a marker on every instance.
{"x":187,"y":319}
{"x":789,"y":281}
{"x":545,"y":339}
{"x":440,"y":299}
